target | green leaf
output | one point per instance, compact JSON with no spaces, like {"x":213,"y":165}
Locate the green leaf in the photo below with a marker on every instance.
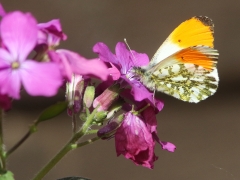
{"x":53,"y":111}
{"x":7,"y":176}
{"x":74,"y":178}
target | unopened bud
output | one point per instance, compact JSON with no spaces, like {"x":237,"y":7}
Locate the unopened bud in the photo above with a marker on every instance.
{"x":100,"y":116}
{"x":89,"y":96}
{"x":105,"y":100}
{"x":109,"y":130}
{"x":116,"y":106}
{"x":74,"y":91}
{"x":83,"y":116}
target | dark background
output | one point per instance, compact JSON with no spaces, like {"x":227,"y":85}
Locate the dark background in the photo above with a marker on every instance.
{"x":206,"y":134}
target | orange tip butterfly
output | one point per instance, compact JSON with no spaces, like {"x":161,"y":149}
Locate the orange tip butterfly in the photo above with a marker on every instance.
{"x":184,"y":66}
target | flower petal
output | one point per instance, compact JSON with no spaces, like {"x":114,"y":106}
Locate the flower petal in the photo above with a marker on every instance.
{"x":5,"y":58}
{"x":10,"y":83}
{"x":124,"y":57}
{"x":165,"y":145}
{"x":82,"y":66}
{"x":135,"y":142}
{"x":50,"y":33}
{"x":114,"y":72}
{"x":40,"y":79}
{"x":104,"y":53}
{"x":19,"y":34}
{"x":150,"y":119}
{"x":142,"y":59}
{"x":63,"y":63}
{"x":129,"y":58}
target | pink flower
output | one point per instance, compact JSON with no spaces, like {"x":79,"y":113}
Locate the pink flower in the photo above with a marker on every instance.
{"x":106,"y":99}
{"x":49,"y":36}
{"x":134,"y":141}
{"x":149,"y":116}
{"x":19,"y":36}
{"x":125,"y":60}
{"x":50,"y":33}
{"x":135,"y":138}
{"x":71,"y":62}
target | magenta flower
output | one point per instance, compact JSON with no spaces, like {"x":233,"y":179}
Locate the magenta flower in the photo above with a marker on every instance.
{"x":124,"y":60}
{"x":50,"y":33}
{"x":19,"y":36}
{"x":134,"y":141}
{"x":71,"y":62}
{"x":149,"y":116}
{"x":135,"y":138}
{"x":49,"y":36}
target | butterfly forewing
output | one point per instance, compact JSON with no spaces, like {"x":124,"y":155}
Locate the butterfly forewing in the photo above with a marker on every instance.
{"x":196,"y":31}
{"x":189,"y":75}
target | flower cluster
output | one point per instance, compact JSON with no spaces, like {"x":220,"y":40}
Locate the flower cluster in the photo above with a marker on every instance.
{"x":30,"y":60}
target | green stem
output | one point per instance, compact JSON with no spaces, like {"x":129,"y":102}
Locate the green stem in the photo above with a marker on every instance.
{"x":87,"y":142}
{"x":32,"y":129}
{"x":69,"y":146}
{"x":92,"y":131}
{"x":19,"y":143}
{"x":53,"y":161}
{"x":74,"y":122}
{"x":2,"y":151}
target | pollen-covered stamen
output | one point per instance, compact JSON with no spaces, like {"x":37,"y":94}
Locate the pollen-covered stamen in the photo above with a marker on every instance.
{"x":15,"y":65}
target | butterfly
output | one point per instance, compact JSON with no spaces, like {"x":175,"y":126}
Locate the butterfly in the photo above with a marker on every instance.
{"x":184,"y":66}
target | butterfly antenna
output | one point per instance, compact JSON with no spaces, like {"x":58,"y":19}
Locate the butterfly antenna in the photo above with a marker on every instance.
{"x":134,"y":59}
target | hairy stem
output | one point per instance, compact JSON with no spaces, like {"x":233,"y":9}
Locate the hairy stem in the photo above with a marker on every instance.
{"x":69,"y":146}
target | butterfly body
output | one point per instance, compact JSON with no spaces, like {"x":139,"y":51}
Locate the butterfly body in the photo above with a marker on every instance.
{"x":185,"y":65}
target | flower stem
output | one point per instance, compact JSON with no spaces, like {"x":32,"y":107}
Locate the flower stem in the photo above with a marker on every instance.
{"x":2,"y":151}
{"x":74,"y":123}
{"x":69,"y":146}
{"x":32,"y":129}
{"x":53,"y":161}
{"x":19,"y":143}
{"x":87,"y":142}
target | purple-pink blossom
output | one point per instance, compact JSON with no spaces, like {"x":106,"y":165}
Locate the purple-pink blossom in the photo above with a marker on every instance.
{"x":19,"y":35}
{"x":50,"y":33}
{"x":124,"y":60}
{"x":135,"y":138}
{"x":134,"y":141}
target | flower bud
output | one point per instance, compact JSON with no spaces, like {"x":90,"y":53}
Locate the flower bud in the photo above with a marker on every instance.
{"x":109,"y":130}
{"x":100,"y":116}
{"x":116,"y":106}
{"x":105,"y":100}
{"x":83,"y":116}
{"x":89,"y":96}
{"x":74,"y":91}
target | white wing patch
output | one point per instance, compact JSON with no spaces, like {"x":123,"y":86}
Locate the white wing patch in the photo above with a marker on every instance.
{"x":190,"y":82}
{"x":185,"y":81}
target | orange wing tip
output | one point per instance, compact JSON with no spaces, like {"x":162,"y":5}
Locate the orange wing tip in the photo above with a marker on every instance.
{"x":203,"y":56}
{"x":196,"y":31}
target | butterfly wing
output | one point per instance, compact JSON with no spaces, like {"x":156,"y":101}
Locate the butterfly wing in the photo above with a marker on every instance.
{"x":196,"y":31}
{"x":190,"y":74}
